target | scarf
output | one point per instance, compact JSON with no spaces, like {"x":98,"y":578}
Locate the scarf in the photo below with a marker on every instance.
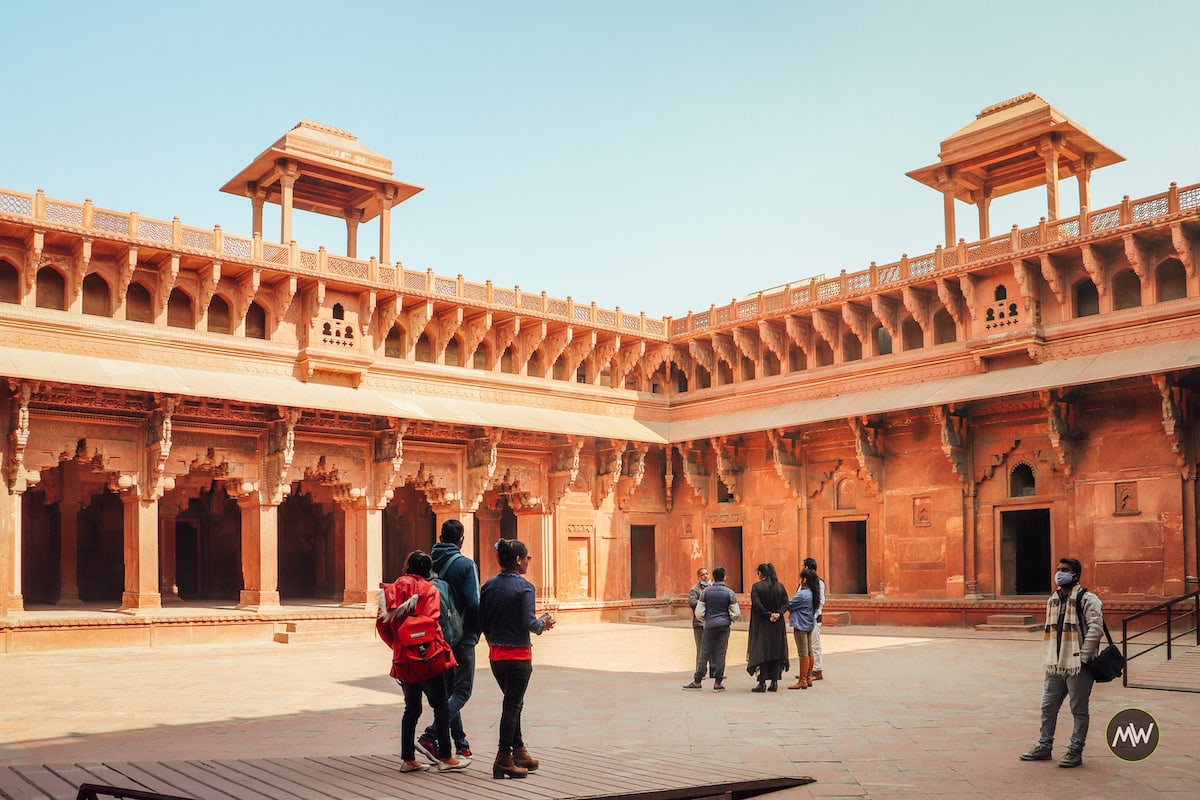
{"x":1060,"y":646}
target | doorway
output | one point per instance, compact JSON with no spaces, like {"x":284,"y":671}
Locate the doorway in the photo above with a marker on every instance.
{"x":641,"y":561}
{"x":727,"y":553}
{"x":1025,"y":551}
{"x":847,"y":557}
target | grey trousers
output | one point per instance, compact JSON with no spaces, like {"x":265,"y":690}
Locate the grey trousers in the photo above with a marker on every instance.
{"x":713,"y":646}
{"x":1056,"y":689}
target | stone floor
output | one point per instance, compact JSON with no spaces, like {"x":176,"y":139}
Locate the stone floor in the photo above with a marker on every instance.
{"x":902,"y":713}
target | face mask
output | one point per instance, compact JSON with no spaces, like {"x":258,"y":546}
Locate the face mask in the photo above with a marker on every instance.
{"x":1063,"y":578}
{"x":706,"y":583}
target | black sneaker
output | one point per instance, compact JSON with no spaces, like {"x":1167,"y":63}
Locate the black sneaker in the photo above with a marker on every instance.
{"x":1071,"y":759}
{"x":693,"y":685}
{"x":1038,"y":752}
{"x":718,"y":688}
{"x":427,"y":748}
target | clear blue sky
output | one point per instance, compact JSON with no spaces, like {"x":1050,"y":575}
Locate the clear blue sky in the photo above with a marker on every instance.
{"x":657,"y":156}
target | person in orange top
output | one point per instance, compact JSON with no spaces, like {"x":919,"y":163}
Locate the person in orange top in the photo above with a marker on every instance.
{"x":413,"y":595}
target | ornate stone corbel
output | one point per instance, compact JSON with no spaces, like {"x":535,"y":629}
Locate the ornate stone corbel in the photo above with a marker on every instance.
{"x":502,"y":335}
{"x":281,"y":449}
{"x":15,"y":476}
{"x":609,"y":461}
{"x":954,"y":437}
{"x":442,"y":328}
{"x":787,"y":457}
{"x":35,"y":244}
{"x":159,"y":449}
{"x":389,"y":458}
{"x":702,"y":352}
{"x":919,"y":304}
{"x":724,"y":349}
{"x":1176,"y":400}
{"x":774,"y":336}
{"x":867,"y":449}
{"x":81,"y":259}
{"x":579,"y":348}
{"x":1138,"y":256}
{"x":602,"y":354}
{"x":565,"y":468}
{"x":126,"y":264}
{"x":531,"y":335}
{"x":858,"y":319}
{"x":1060,"y":416}
{"x":800,"y":331}
{"x":1096,"y":265}
{"x":168,"y":272}
{"x":953,"y":301}
{"x":481,"y":466}
{"x":473,"y":332}
{"x":1183,"y":248}
{"x":694,"y":471}
{"x":747,"y":342}
{"x":283,"y":296}
{"x":633,"y":471}
{"x":729,"y":469}
{"x":828,"y":326}
{"x":820,"y":477}
{"x":1054,"y":272}
{"x":624,"y":360}
{"x":887,"y":311}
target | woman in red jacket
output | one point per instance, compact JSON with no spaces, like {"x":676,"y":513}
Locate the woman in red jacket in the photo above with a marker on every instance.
{"x":412,"y":596}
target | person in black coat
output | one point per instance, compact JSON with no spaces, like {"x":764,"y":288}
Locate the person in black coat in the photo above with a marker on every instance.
{"x":767,"y":651}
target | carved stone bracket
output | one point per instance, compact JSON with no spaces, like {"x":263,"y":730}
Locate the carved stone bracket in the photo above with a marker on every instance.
{"x":694,"y":471}
{"x":35,"y":244}
{"x":441,"y":328}
{"x":858,"y":319}
{"x":159,"y":447}
{"x":725,"y":350}
{"x":747,"y":342}
{"x":1054,"y":272}
{"x":474,"y":330}
{"x":633,"y":471}
{"x":1176,"y":400}
{"x":15,"y":476}
{"x":579,"y":348}
{"x":1096,"y":265}
{"x":887,"y":311}
{"x":787,"y":456}
{"x":952,"y":299}
{"x":565,"y":469}
{"x":994,"y":459}
{"x":920,"y":304}
{"x":481,"y":466}
{"x":828,"y":326}
{"x":1060,"y":416}
{"x":168,"y":273}
{"x":774,"y":336}
{"x":702,"y":352}
{"x":82,"y":259}
{"x":954,"y":436}
{"x":609,"y":461}
{"x":389,"y":458}
{"x":281,"y":449}
{"x":624,"y":360}
{"x":820,"y":475}
{"x":867,"y":448}
{"x":1183,"y":248}
{"x":1024,"y":274}
{"x":729,"y":469}
{"x":800,"y":330}
{"x":1138,"y":256}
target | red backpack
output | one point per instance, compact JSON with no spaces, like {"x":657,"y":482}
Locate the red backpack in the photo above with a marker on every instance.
{"x":420,"y":651}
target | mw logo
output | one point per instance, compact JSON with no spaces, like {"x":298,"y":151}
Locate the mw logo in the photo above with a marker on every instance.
{"x":1131,"y":735}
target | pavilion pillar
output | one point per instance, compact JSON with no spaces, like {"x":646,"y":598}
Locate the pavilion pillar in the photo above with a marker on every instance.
{"x":168,"y":589}
{"x":141,"y":552}
{"x":352,"y":219}
{"x":287,"y":189}
{"x":385,"y":225}
{"x":1048,"y":149}
{"x":536,"y":530}
{"x":68,"y":539}
{"x":948,"y":214}
{"x":260,"y":555}
{"x":1084,"y":179}
{"x":257,"y":200}
{"x":984,"y":204}
{"x":355,"y":559}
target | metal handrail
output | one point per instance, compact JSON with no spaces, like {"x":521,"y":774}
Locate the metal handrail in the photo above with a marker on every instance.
{"x":1172,"y":615}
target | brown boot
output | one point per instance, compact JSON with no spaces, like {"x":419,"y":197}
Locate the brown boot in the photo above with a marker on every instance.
{"x":505,"y":768}
{"x":799,"y":684}
{"x":522,"y":758}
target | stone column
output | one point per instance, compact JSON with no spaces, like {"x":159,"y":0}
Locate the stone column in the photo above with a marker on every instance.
{"x":984,"y":204}
{"x":537,"y":532}
{"x":374,"y":554}
{"x":352,"y":219}
{"x":141,"y":553}
{"x":1048,"y":149}
{"x":948,"y":214}
{"x":68,"y":538}
{"x":11,"y":600}
{"x":287,"y":185}
{"x":385,"y":225}
{"x":257,"y":201}
{"x":167,"y":588}
{"x":355,"y":556}
{"x":260,"y":556}
{"x":1084,"y":177}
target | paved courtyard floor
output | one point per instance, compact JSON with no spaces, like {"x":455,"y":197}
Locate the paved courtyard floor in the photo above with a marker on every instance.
{"x":902,"y":713}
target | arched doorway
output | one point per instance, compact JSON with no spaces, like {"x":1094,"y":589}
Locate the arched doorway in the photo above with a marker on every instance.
{"x":208,"y":546}
{"x":408,"y":524}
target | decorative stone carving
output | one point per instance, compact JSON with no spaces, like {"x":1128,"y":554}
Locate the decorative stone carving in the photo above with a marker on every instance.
{"x":564,"y":469}
{"x":633,"y":471}
{"x":887,"y":311}
{"x":828,"y":326}
{"x":747,"y":342}
{"x":920,"y":304}
{"x":1183,"y":248}
{"x":1060,"y":415}
{"x":858,"y":319}
{"x":702,"y":351}
{"x":952,"y":299}
{"x":481,"y":466}
{"x":724,"y":349}
{"x":786,"y":455}
{"x":729,"y":469}
{"x":1054,"y":272}
{"x":473,"y":332}
{"x":1176,"y":400}
{"x":694,"y":471}
{"x":389,"y":458}
{"x":608,"y":471}
{"x":954,"y":429}
{"x":624,"y":360}
{"x":159,"y":446}
{"x":1138,"y":256}
{"x":867,"y":448}
{"x":281,"y":450}
{"x":774,"y":336}
{"x":800,"y":330}
{"x":15,"y":476}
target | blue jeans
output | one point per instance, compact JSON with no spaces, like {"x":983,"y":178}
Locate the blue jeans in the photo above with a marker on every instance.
{"x":460,"y":682}
{"x":513,"y":678}
{"x":1056,"y":689}
{"x":713,"y":645}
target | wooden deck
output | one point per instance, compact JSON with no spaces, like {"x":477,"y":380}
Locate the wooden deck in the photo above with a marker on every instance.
{"x":565,"y":773}
{"x":1180,"y":674}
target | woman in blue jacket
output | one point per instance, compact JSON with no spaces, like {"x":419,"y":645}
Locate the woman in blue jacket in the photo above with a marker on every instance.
{"x":506,"y":617}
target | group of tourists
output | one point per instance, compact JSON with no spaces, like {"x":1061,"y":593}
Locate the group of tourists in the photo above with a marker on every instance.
{"x":431,"y":617}
{"x":772,"y":613}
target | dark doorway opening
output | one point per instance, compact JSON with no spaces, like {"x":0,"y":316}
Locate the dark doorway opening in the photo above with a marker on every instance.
{"x":641,"y":561}
{"x":1025,"y":551}
{"x":727,"y":553}
{"x":847,"y":557}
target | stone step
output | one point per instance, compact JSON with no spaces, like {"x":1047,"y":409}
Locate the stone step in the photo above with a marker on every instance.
{"x":1010,"y":622}
{"x":316,"y":631}
{"x":835,"y":619}
{"x":650,"y":615}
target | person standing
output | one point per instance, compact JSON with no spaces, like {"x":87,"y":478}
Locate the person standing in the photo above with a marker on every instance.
{"x":819,"y":603}
{"x":412,"y":595}
{"x":718,"y":600}
{"x":767,"y":649}
{"x":801,"y":619}
{"x":1071,"y":639}
{"x":459,"y":573}
{"x":506,"y":617}
{"x":703,"y":581}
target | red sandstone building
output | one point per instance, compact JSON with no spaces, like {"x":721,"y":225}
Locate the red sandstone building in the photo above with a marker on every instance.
{"x":194,"y":419}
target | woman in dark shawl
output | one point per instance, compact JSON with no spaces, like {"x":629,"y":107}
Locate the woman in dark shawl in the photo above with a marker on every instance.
{"x":767,"y":652}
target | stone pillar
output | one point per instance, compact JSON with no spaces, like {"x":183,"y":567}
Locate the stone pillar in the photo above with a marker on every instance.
{"x":68,"y":538}
{"x":287,"y":184}
{"x":374,"y":554}
{"x":168,"y":590}
{"x":257,"y":201}
{"x":352,"y":219}
{"x":1084,"y":177}
{"x":984,"y":203}
{"x":260,"y":556}
{"x":536,"y":530}
{"x":1191,"y":537}
{"x":11,"y":600}
{"x":385,"y":225}
{"x":355,"y":557}
{"x":1048,"y":149}
{"x":141,"y":553}
{"x":948,"y":214}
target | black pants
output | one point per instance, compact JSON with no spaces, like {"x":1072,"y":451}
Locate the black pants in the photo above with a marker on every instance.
{"x":435,"y":690}
{"x":513,"y":678}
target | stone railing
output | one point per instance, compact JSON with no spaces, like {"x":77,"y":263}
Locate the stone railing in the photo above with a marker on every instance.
{"x":943,"y":261}
{"x":215,"y":242}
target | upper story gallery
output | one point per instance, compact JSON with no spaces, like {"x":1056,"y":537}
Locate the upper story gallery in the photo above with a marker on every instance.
{"x":188,"y":415}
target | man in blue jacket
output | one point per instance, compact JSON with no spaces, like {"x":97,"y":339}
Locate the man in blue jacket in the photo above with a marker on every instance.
{"x":459,"y":573}
{"x":718,"y":602}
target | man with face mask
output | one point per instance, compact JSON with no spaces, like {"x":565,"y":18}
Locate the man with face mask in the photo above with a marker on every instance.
{"x":697,"y":591}
{"x":1069,"y":642}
